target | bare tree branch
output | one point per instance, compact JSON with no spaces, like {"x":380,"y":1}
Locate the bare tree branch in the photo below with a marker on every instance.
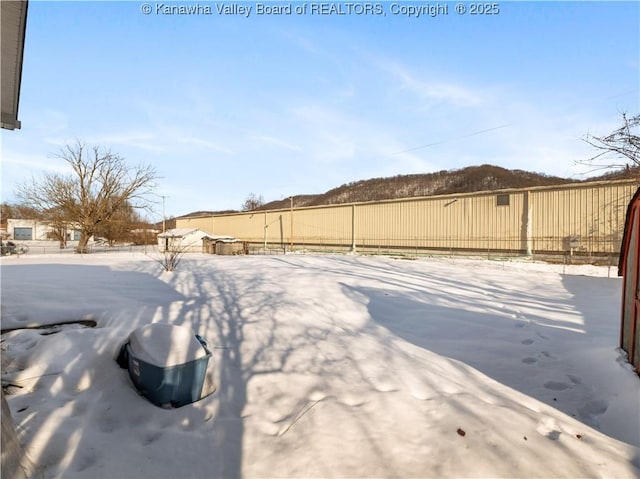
{"x":99,"y":186}
{"x":171,"y":254}
{"x":619,"y":149}
{"x":252,"y":202}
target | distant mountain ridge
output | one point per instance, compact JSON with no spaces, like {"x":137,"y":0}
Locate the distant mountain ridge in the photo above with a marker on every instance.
{"x":465,"y":180}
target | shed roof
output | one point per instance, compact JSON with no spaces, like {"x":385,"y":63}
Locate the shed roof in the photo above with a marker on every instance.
{"x":182,"y":232}
{"x":223,"y":238}
{"x":177,"y":232}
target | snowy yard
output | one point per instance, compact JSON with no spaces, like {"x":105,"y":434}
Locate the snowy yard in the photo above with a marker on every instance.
{"x":327,"y":366}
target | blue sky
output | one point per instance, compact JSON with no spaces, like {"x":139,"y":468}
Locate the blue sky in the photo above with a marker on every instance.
{"x":280,"y":105}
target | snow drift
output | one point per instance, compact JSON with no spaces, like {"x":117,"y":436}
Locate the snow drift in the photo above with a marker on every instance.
{"x":327,"y":366}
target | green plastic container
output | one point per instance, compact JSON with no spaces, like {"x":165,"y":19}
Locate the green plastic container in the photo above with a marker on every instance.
{"x":167,"y":364}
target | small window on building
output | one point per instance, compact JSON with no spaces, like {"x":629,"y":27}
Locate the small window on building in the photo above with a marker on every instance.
{"x":502,"y":200}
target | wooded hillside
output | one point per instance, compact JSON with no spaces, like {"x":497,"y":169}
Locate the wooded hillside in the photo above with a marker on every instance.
{"x":465,"y":180}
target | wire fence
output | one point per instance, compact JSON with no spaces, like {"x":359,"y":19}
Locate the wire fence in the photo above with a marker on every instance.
{"x":573,"y":254}
{"x":594,"y":250}
{"x":40,"y":248}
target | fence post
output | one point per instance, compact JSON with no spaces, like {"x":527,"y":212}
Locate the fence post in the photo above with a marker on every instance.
{"x":353,"y":228}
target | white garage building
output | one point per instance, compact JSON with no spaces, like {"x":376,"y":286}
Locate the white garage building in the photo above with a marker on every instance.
{"x":34,"y":230}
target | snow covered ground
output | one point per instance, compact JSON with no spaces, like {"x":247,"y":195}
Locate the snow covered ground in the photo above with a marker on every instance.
{"x":327,"y":366}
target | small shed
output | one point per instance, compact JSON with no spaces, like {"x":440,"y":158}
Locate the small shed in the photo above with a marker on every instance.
{"x":223,"y":245}
{"x":182,"y":239}
{"x":231,"y":247}
{"x":629,"y":269}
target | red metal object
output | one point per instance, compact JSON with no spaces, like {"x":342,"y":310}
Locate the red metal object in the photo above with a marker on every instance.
{"x":629,"y":269}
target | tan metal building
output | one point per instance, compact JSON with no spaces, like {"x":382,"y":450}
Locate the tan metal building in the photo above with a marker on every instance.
{"x":581,"y":218}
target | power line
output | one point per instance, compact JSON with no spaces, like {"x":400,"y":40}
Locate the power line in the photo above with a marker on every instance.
{"x":429,"y":145}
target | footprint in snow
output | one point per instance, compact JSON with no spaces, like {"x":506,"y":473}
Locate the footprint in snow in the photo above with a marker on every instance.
{"x":108,"y":423}
{"x":80,"y":407}
{"x":140,"y":419}
{"x":527,"y":341}
{"x":352,"y":400}
{"x":30,"y":344}
{"x":574,"y":379}
{"x":151,"y":437}
{"x":86,"y":461}
{"x":592,"y":410}
{"x":556,"y":385}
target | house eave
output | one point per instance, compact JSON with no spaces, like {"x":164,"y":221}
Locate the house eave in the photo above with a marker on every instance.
{"x":14,"y":23}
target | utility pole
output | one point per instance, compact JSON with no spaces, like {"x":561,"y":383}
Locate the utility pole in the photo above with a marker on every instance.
{"x":164,"y":228}
{"x":265,"y":231}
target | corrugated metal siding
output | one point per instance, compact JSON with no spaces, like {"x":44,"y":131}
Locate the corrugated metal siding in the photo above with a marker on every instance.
{"x":203,"y":223}
{"x":246,"y":226}
{"x":593,"y":214}
{"x":323,"y":226}
{"x":448,"y":222}
{"x":542,"y":219}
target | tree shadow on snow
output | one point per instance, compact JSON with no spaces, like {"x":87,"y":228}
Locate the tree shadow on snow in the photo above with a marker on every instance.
{"x":239,"y":310}
{"x":278,"y":378}
{"x":524,"y":349}
{"x":512,"y":327}
{"x":87,"y":402}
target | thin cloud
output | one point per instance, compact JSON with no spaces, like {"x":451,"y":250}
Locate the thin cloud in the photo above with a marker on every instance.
{"x":209,"y":145}
{"x":143,"y":140}
{"x":50,"y":122}
{"x":277,"y":142}
{"x":35,"y":162}
{"x":431,"y":91}
{"x":302,"y":41}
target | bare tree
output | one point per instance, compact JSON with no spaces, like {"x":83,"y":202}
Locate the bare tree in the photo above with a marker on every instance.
{"x":58,"y":224}
{"x":171,"y":254}
{"x":252,"y":202}
{"x":120,"y":226}
{"x":99,"y":185}
{"x":16,"y":211}
{"x":620,"y":148}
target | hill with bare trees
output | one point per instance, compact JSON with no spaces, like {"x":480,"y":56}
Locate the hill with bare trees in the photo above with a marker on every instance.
{"x":465,"y":180}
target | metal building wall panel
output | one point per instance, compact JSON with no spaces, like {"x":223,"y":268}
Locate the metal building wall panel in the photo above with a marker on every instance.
{"x":592,"y":215}
{"x":205,"y":223}
{"x":377,"y":224}
{"x":322,"y":226}
{"x":248,"y":227}
{"x":541,"y":219}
